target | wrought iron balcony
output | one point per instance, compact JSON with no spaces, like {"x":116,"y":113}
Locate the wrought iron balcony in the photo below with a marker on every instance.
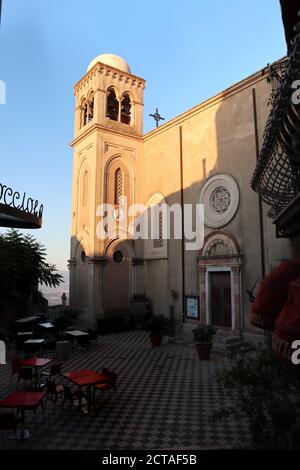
{"x":276,"y":176}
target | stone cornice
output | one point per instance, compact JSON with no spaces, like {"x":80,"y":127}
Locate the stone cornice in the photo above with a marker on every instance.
{"x":101,"y":68}
{"x":218,"y":98}
{"x":99,"y":127}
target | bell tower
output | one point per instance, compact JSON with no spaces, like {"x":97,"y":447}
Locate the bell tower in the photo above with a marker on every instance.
{"x":108,"y":157}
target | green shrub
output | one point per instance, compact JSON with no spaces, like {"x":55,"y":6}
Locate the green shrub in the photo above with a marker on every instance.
{"x":157,"y":325}
{"x":263,"y":391}
{"x":203,"y":333}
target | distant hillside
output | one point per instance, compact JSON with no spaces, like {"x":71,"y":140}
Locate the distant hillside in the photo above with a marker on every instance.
{"x":53,"y":294}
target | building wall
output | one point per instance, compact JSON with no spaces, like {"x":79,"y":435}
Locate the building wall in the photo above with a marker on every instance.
{"x":214,"y":138}
{"x":218,"y":137}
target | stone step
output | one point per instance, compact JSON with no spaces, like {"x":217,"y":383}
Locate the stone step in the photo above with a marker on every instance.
{"x":227,"y":339}
{"x":226,"y":345}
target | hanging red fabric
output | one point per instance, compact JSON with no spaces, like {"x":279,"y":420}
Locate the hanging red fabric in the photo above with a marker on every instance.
{"x":287,"y":325}
{"x":273,"y":294}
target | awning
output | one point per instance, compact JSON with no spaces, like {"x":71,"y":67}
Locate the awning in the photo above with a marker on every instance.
{"x":18,"y":210}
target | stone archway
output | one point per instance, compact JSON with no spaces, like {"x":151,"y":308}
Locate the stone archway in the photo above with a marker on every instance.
{"x":220,"y":262}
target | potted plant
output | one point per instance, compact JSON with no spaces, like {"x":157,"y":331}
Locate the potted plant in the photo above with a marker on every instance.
{"x":157,"y":327}
{"x":203,"y":340}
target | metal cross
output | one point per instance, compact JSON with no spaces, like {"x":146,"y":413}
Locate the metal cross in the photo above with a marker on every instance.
{"x":157,"y":117}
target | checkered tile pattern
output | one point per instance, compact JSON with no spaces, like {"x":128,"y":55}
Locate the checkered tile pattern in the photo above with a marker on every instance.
{"x":164,"y":400}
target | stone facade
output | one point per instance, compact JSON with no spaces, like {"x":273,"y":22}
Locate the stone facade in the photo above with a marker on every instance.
{"x":205,"y":155}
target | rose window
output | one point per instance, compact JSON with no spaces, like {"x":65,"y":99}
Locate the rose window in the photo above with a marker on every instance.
{"x":220,"y":200}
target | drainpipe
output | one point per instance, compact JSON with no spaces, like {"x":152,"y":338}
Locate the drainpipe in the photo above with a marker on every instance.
{"x":182,"y":225}
{"x":268,"y":334}
{"x":260,"y":209}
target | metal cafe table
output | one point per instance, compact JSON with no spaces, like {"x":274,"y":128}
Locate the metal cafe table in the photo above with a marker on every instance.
{"x":24,"y":401}
{"x":46,"y":329}
{"x":75,"y":334}
{"x":83,"y":378}
{"x":27,"y":321}
{"x":46,"y":325}
{"x":34,"y":344}
{"x":36,"y":362}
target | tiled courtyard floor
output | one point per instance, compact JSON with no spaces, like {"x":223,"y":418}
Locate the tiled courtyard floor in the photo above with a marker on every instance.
{"x":164,"y":400}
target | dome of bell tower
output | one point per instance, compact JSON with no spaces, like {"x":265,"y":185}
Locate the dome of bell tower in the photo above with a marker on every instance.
{"x":111,"y":59}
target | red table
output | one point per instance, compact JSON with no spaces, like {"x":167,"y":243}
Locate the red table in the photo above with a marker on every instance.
{"x":24,"y":401}
{"x":87,"y":378}
{"x":35,"y":362}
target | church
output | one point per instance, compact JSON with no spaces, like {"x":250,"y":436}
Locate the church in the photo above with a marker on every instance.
{"x":206,"y":157}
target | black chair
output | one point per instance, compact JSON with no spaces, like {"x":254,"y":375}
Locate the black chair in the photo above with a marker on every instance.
{"x":55,"y":370}
{"x":15,"y":364}
{"x":93,"y":334}
{"x":20,"y":347}
{"x":50,"y":347}
{"x":54,"y":391}
{"x":26,"y":374}
{"x":110,"y":384}
{"x":73,"y":397}
{"x":84,"y":342}
{"x":31,"y":349}
{"x":8,"y":422}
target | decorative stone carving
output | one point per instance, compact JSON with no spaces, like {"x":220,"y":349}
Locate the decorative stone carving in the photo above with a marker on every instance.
{"x":218,"y":247}
{"x":220,"y":196}
{"x":220,"y":200}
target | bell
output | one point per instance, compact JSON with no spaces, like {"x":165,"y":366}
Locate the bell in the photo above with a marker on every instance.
{"x":273,"y":293}
{"x":287,"y":325}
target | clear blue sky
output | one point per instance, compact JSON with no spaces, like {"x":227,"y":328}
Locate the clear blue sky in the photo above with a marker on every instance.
{"x":186,"y":50}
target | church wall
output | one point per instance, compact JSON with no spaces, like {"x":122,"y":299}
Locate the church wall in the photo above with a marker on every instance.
{"x":219,"y":139}
{"x":216,"y":137}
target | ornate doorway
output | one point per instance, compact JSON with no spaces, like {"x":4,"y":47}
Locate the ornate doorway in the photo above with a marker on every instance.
{"x":220,"y":264}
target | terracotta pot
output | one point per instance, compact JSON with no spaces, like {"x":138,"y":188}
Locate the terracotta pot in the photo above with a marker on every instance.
{"x":203,"y":350}
{"x":272,"y":294}
{"x":156,"y":340}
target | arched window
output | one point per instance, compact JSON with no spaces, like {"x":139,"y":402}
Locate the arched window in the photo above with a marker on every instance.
{"x":118,"y":186}
{"x":85,"y":189}
{"x":157,"y":221}
{"x":125,"y":109}
{"x":112,"y":107}
{"x":91,"y":107}
{"x":84,"y":113}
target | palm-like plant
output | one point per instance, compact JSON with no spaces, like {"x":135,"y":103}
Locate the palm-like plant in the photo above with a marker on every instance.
{"x":23,"y":266}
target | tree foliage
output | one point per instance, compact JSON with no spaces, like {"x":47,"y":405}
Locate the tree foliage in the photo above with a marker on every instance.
{"x":265,"y":392}
{"x":23,"y":266}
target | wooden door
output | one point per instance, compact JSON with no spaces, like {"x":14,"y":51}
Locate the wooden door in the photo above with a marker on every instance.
{"x":117,"y":278}
{"x":220,"y":299}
